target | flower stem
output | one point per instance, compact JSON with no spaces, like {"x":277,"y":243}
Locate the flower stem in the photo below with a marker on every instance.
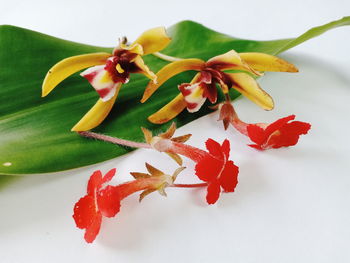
{"x":190,"y":152}
{"x":114,"y":140}
{"x":238,"y":124}
{"x":166,"y":57}
{"x":189,"y":185}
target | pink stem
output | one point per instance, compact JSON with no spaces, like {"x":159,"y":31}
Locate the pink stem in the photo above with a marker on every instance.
{"x":114,"y":140}
{"x":238,"y":124}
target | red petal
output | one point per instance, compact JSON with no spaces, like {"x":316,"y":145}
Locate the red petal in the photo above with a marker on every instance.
{"x":228,"y":178}
{"x":213,"y":192}
{"x":278,"y":124}
{"x":214,"y":148}
{"x":258,"y":147}
{"x":92,"y":231}
{"x":256,"y":134}
{"x":208,"y":168}
{"x":94,"y":183}
{"x":290,"y":133}
{"x":225,"y":147}
{"x":109,"y":176}
{"x":85,"y":212}
{"x":108,"y":201}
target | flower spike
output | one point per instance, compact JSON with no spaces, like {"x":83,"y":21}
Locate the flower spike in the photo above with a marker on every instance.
{"x":212,"y":166}
{"x":107,"y":72}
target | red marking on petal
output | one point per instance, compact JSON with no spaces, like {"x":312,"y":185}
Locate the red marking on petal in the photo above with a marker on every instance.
{"x":103,"y":92}
{"x":108,"y":201}
{"x":92,"y":231}
{"x":111,"y":68}
{"x":191,"y":106}
{"x":213,"y":192}
{"x":94,"y":183}
{"x":229,"y":177}
{"x":185,"y":92}
{"x":90,"y":77}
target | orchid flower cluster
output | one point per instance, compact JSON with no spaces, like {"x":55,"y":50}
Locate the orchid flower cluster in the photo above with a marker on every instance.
{"x":108,"y":72}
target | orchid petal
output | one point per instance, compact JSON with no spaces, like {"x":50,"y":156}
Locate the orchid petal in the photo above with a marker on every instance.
{"x":265,"y":62}
{"x":169,"y":71}
{"x":133,"y":48}
{"x":69,"y":66}
{"x":249,"y":88}
{"x":143,"y":69}
{"x":101,"y":80}
{"x":169,"y":111}
{"x":230,"y":61}
{"x":97,"y":113}
{"x":153,"y":40}
{"x":193,"y":95}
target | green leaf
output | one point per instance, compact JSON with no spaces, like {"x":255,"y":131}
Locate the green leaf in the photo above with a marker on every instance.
{"x":35,"y":132}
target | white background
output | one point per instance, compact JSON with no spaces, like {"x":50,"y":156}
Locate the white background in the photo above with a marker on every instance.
{"x":291,"y":205}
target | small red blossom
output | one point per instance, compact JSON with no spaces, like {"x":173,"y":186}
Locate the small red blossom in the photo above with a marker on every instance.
{"x":217,"y":170}
{"x":105,"y":201}
{"x":281,"y":133}
{"x":99,"y":201}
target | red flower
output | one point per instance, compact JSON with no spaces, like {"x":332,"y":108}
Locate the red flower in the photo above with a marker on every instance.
{"x":105,"y":201}
{"x":99,"y":201}
{"x":280,"y":133}
{"x":215,"y":169}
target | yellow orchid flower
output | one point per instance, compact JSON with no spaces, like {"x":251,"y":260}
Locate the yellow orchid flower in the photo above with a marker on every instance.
{"x":203,"y":85}
{"x":107,"y":72}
